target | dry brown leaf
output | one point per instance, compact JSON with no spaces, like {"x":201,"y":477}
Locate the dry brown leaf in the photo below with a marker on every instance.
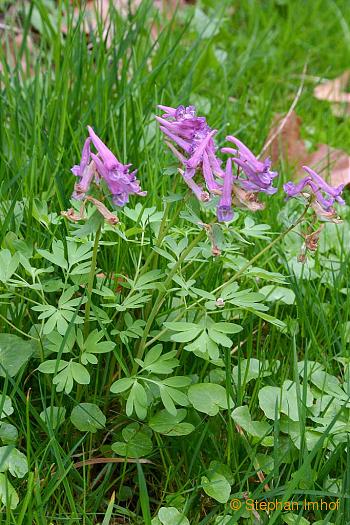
{"x":332,"y":163}
{"x":287,"y":144}
{"x":334,"y":91}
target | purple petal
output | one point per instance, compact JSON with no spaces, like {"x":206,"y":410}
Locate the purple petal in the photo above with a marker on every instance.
{"x":76,"y":170}
{"x":243,"y":149}
{"x":110,"y":161}
{"x":322,"y":184}
{"x":196,"y":157}
{"x":211,"y":183}
{"x":226,"y":197}
{"x":101,"y":168}
{"x":179,"y":141}
{"x":292,"y":189}
{"x":85,"y":154}
{"x":176,"y":152}
{"x":225,"y":213}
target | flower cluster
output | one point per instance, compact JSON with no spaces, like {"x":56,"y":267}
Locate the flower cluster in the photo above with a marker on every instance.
{"x":195,"y":138}
{"x":197,"y":153}
{"x":104,"y":165}
{"x":322,"y":196}
{"x":191,"y":141}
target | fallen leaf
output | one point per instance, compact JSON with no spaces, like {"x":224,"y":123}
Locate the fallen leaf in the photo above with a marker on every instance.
{"x":334,"y":91}
{"x":332,"y":163}
{"x":286,"y":144}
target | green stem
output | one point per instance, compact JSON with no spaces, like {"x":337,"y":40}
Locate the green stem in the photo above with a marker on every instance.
{"x":161,"y":297}
{"x":236,"y":275}
{"x":264,"y":250}
{"x":91,"y":283}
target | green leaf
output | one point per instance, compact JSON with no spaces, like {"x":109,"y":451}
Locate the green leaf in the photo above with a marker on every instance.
{"x":274,"y":400}
{"x":8,"y":433}
{"x":8,"y":265}
{"x":186,"y":331}
{"x":216,"y":486}
{"x":79,"y":373}
{"x":53,"y":416}
{"x":249,"y":369}
{"x":14,"y":353}
{"x":171,"y":425}
{"x":8,"y":495}
{"x":208,"y":398}
{"x":328,"y":383}
{"x":167,"y":401}
{"x":94,"y":345}
{"x":6,"y":406}
{"x":56,"y":256}
{"x":274,"y":293}
{"x":137,"y":401}
{"x":88,"y":417}
{"x":137,"y":442}
{"x":158,"y":363}
{"x":122,"y":384}
{"x":204,"y":347}
{"x":177,"y":381}
{"x":52,"y":365}
{"x":170,"y":516}
{"x":227,"y":328}
{"x":269,"y":318}
{"x":242,"y":417}
{"x":14,"y":461}
{"x":273,"y":277}
{"x":296,"y":519}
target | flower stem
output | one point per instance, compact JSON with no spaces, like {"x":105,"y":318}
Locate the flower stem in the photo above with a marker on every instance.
{"x":161,"y":297}
{"x":91,"y":283}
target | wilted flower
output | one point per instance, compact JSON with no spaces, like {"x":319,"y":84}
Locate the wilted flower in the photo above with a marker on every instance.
{"x":117,"y":176}
{"x":259,"y":176}
{"x":104,"y":211}
{"x":73,"y":216}
{"x":323,"y":196}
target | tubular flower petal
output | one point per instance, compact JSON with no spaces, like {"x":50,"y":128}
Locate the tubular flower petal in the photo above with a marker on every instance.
{"x":224,"y":210}
{"x":120,"y":181}
{"x":322,"y":195}
{"x":194,"y":138}
{"x":258,"y":174}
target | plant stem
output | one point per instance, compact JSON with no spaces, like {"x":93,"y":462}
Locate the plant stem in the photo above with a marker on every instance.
{"x":161,"y":297}
{"x":91,"y":283}
{"x":236,"y":275}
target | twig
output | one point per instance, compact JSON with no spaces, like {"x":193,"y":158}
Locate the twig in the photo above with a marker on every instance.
{"x":290,"y":111}
{"x":95,"y":461}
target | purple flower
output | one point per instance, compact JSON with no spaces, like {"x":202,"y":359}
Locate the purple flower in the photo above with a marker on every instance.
{"x":85,"y":171}
{"x":117,"y":176}
{"x":224,"y":209}
{"x":195,"y":139}
{"x":258,"y":174}
{"x":323,"y":194}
